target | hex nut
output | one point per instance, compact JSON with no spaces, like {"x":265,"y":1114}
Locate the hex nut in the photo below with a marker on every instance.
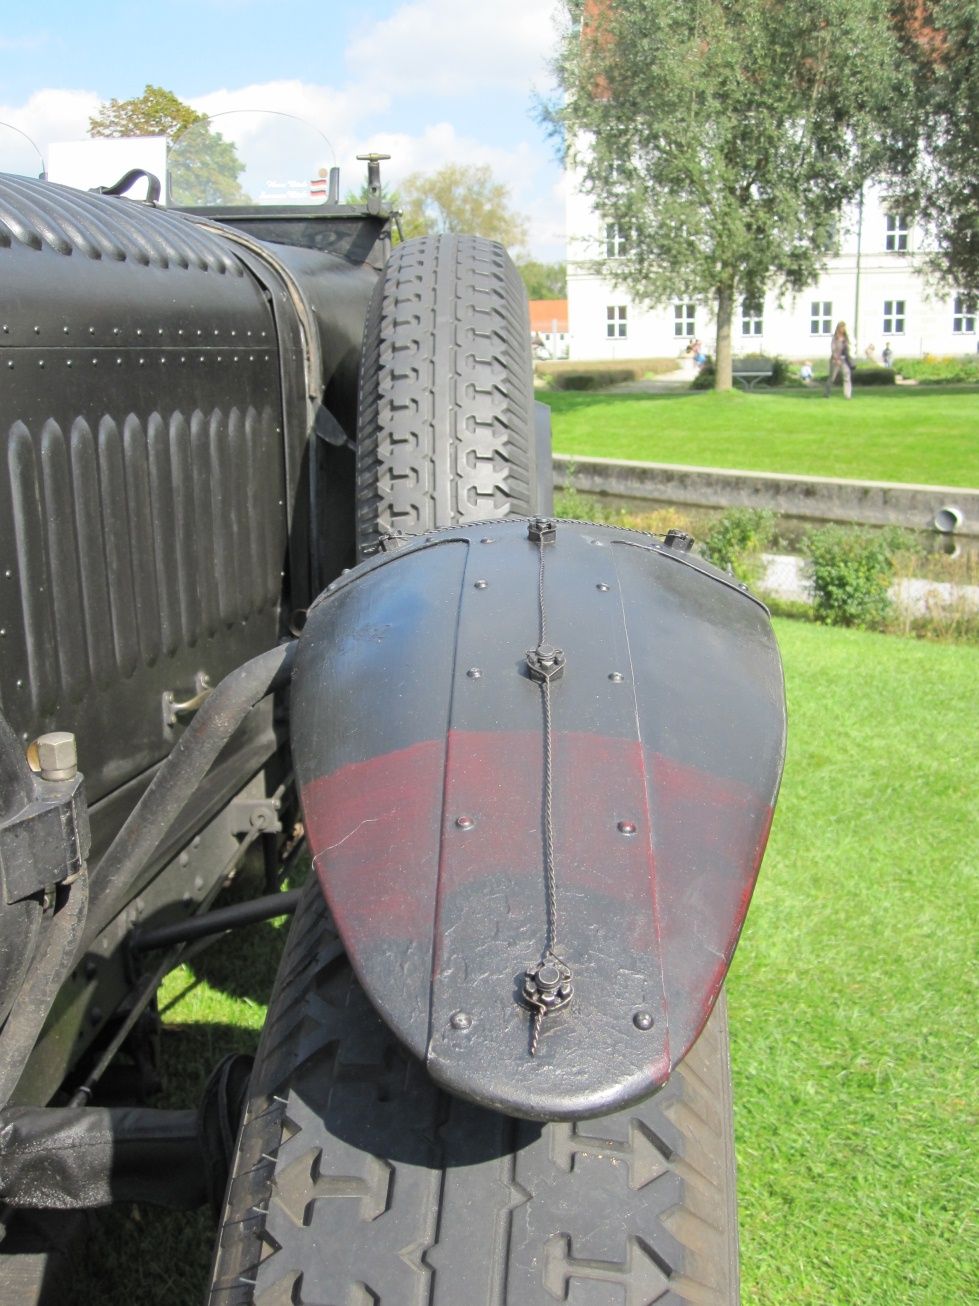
{"x":57,"y":755}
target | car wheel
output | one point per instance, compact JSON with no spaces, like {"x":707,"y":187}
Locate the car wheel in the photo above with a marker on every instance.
{"x":357,"y":1181}
{"x":446,"y":412}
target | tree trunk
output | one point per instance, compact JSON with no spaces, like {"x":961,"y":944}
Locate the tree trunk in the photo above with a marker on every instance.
{"x":722,"y":356}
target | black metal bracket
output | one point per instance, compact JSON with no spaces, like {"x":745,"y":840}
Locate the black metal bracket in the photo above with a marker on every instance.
{"x":546,"y":663}
{"x":47,"y":841}
{"x":262,"y":814}
{"x":678,"y":541}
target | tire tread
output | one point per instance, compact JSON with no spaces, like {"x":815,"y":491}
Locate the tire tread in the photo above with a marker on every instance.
{"x":357,"y":1180}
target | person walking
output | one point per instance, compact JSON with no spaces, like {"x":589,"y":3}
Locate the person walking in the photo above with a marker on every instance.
{"x":840,"y":361}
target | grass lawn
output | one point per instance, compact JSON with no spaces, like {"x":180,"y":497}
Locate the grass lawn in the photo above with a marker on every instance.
{"x":927,"y":434}
{"x":852,"y":1004}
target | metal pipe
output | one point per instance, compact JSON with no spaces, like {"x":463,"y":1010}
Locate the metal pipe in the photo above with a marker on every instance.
{"x":215,"y":922}
{"x":144,"y":993}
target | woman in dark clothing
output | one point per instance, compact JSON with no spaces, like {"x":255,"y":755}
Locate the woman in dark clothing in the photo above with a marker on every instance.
{"x":840,"y":361}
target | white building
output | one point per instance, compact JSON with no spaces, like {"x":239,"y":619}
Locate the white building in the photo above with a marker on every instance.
{"x":874,"y":284}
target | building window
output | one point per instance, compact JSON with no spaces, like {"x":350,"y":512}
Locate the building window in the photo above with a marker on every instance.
{"x":616,"y":325}
{"x":683,"y":315}
{"x":964,"y":315}
{"x":821,"y":317}
{"x":751,"y":318}
{"x":893,"y":317}
{"x":616,"y":241}
{"x":896,"y":239}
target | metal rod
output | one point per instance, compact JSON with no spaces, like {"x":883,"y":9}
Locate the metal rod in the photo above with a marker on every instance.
{"x":144,"y":994}
{"x":215,"y":922}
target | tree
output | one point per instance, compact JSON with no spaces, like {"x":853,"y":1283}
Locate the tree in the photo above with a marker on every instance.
{"x":463,"y":199}
{"x":720,"y":140}
{"x":942,"y":185}
{"x":543,"y":280}
{"x":203,"y":167}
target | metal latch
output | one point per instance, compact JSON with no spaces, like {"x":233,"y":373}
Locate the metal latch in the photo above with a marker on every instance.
{"x":174,"y":709}
{"x":249,"y":814}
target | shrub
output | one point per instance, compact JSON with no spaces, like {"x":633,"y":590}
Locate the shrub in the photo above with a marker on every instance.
{"x":738,"y":538}
{"x":635,"y":369}
{"x":850,"y":571}
{"x":591,"y":380}
{"x":871,"y":374}
{"x":704,"y":380}
{"x":934,"y":367}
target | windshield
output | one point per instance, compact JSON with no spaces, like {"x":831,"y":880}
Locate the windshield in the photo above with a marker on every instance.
{"x":247,"y":156}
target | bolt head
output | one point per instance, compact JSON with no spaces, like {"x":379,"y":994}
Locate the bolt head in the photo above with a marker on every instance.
{"x":626,"y":827}
{"x":474,"y":673}
{"x":615,"y":677}
{"x":481,"y":585}
{"x":461,"y":1020}
{"x":57,"y":755}
{"x":465,"y":822}
{"x":643,"y":1020}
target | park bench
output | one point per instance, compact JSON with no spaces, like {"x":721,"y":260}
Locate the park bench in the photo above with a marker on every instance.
{"x":749,"y":371}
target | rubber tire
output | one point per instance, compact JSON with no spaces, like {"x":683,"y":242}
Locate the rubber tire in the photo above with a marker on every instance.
{"x":445,"y":427}
{"x":358,"y":1182}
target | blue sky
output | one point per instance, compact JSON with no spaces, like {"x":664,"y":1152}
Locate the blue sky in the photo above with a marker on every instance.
{"x":427,"y":81}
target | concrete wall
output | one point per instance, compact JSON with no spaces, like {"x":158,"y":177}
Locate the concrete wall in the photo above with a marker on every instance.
{"x":822,"y":498}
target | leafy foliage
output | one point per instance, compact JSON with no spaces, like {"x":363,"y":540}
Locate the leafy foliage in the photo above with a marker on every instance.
{"x":724,"y":138}
{"x":594,"y":378}
{"x":737,"y":539}
{"x":942,"y":185}
{"x":932,"y":367}
{"x":869,"y":374}
{"x":463,"y":199}
{"x":850,"y":570}
{"x":203,"y":167}
{"x":544,"y":280}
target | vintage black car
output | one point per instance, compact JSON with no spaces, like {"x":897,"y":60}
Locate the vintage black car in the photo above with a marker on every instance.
{"x":279,"y":570}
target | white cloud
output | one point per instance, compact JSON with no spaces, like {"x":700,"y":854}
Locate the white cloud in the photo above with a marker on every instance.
{"x":281,"y":148}
{"x":48,"y":115}
{"x":333,"y":113}
{"x":526,"y":168}
{"x":452,"y":47}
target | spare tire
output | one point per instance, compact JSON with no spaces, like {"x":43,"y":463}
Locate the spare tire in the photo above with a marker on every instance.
{"x":445,"y":430}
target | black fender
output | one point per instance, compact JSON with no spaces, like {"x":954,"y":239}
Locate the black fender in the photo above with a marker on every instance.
{"x":534,"y":743}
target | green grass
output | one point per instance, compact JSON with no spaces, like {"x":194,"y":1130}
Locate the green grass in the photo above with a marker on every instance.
{"x":929,"y":435}
{"x":852,"y":1004}
{"x":853,"y":992}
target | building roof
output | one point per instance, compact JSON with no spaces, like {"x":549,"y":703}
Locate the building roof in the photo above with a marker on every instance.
{"x":548,"y":315}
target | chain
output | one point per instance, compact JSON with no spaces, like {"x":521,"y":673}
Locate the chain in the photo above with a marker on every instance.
{"x":547,"y":986}
{"x":550,"y":874}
